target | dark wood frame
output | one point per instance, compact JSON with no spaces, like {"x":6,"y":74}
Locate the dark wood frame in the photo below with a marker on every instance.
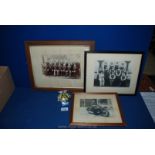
{"x":115,"y":52}
{"x":72,"y":123}
{"x":53,"y":42}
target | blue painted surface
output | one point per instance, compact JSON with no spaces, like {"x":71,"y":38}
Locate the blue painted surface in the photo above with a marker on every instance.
{"x":12,"y":50}
{"x":37,"y":109}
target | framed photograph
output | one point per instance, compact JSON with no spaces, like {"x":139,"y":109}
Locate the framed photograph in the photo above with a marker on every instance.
{"x":57,"y":65}
{"x":112,"y":72}
{"x":96,"y":110}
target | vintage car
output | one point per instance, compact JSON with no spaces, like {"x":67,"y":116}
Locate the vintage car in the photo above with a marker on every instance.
{"x":98,"y":110}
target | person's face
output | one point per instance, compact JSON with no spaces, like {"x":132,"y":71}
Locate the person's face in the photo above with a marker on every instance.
{"x":128,"y":76}
{"x":117,"y":64}
{"x":69,"y":66}
{"x":74,"y":66}
{"x":122,"y":64}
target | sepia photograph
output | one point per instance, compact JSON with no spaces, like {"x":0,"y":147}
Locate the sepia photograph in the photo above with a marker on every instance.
{"x":96,"y":110}
{"x":57,"y":65}
{"x":112,"y":72}
{"x":61,"y":66}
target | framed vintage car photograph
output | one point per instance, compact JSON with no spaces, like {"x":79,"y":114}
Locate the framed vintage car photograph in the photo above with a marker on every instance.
{"x":112,"y":72}
{"x":96,"y":110}
{"x":57,"y":65}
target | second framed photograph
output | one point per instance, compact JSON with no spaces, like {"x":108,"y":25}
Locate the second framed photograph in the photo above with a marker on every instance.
{"x":112,"y":72}
{"x":96,"y":110}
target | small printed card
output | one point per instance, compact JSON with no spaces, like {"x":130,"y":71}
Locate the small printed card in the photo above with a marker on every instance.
{"x":64,"y":108}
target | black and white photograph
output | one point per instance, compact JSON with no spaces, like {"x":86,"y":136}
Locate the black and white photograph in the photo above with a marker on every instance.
{"x":96,"y":109}
{"x":57,"y":65}
{"x":112,"y":72}
{"x":61,"y":66}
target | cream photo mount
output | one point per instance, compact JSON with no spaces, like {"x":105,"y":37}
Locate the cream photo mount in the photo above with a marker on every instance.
{"x":57,"y":64}
{"x":112,"y":71}
{"x":91,"y":109}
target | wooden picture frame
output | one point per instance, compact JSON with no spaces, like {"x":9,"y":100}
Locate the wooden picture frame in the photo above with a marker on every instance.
{"x":108,"y":71}
{"x":57,"y":64}
{"x":96,"y":110}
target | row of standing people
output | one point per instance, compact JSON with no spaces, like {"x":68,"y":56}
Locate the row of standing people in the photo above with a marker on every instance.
{"x":112,"y":76}
{"x":61,"y":69}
